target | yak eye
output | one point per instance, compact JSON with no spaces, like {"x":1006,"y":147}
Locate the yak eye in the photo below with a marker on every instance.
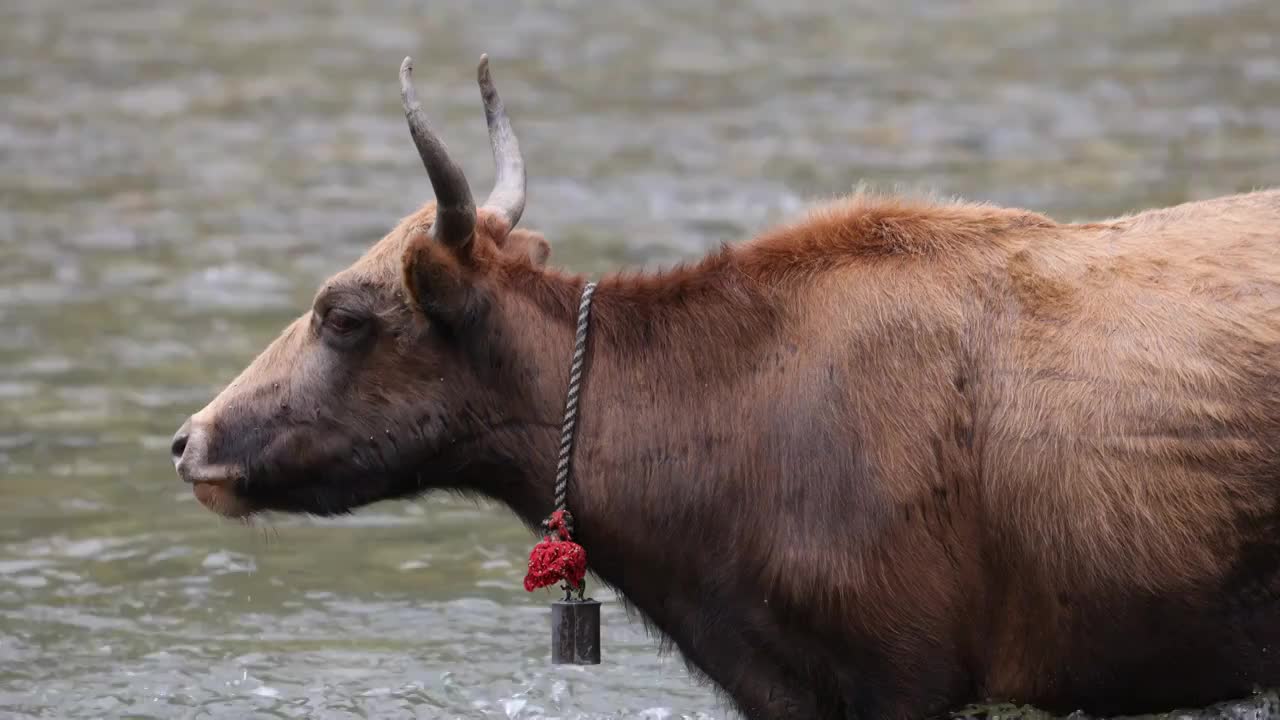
{"x":343,"y":324}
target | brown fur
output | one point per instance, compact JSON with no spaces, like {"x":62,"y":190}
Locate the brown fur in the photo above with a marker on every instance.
{"x":888,"y":459}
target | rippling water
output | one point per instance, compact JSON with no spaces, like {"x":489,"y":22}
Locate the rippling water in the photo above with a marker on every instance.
{"x":178,"y":177}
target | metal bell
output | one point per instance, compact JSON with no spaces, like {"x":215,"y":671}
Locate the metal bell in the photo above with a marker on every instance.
{"x":575,"y":632}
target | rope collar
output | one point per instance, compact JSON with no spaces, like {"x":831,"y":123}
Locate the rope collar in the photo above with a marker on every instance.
{"x":557,"y":558}
{"x":571,"y":402}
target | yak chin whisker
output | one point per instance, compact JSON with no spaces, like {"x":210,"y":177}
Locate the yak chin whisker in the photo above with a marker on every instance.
{"x":270,"y":535}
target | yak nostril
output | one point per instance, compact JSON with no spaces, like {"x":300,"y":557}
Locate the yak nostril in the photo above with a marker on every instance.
{"x":180,"y":439}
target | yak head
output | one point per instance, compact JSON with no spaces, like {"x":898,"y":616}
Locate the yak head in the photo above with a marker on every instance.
{"x":415,"y":368}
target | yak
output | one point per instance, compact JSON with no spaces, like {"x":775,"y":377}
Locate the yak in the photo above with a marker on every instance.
{"x":893,"y":456}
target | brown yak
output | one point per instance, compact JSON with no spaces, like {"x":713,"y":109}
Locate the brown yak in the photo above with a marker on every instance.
{"x":894,"y":457}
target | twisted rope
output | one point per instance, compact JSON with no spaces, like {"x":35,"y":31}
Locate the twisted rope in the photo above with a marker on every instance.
{"x":571,"y":404}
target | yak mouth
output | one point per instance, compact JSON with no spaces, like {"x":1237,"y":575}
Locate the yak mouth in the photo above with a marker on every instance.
{"x":220,"y":496}
{"x":327,"y":493}
{"x":214,"y":487}
{"x":295,"y":473}
{"x":236,"y":498}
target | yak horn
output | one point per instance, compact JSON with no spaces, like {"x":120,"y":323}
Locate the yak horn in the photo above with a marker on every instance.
{"x":455,"y":210}
{"x":508,"y":193}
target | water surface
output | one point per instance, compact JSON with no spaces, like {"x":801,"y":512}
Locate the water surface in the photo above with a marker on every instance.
{"x":177,"y":178}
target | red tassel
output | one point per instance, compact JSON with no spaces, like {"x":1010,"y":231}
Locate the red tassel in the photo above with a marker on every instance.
{"x":556,"y":557}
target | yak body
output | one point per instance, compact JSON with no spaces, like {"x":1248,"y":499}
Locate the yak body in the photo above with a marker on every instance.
{"x":900,"y":456}
{"x":895,"y":457}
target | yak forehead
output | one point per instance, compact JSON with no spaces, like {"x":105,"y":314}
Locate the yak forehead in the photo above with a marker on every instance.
{"x":380,"y":266}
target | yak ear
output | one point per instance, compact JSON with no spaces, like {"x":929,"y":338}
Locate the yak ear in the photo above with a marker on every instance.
{"x":529,"y":244}
{"x":436,"y":277}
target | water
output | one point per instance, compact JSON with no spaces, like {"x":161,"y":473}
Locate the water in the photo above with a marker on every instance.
{"x":178,"y":177}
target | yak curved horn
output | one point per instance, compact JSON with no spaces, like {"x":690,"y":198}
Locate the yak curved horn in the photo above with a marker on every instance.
{"x":455,"y":210}
{"x":507,"y":197}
